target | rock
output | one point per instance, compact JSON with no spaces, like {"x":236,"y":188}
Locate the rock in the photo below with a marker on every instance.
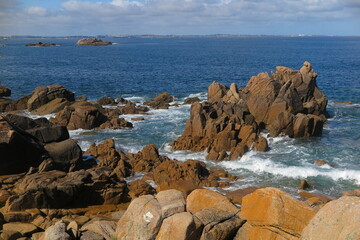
{"x":66,"y":155}
{"x":150,"y":152}
{"x":161,"y":101}
{"x":103,"y":227}
{"x":191,"y":100}
{"x":303,"y":185}
{"x":273,"y":213}
{"x":171,"y":202}
{"x":237,"y":195}
{"x":116,"y":123}
{"x":132,"y":108}
{"x":345,"y":103}
{"x":186,"y":187}
{"x":37,"y":236}
{"x":92,"y":42}
{"x":81,"y":98}
{"x":4,"y":92}
{"x":18,"y":104}
{"x":19,"y":151}
{"x":140,"y":187}
{"x":321,"y":163}
{"x":180,"y":226}
{"x":107,"y":101}
{"x":41,"y":44}
{"x":57,"y":232}
{"x":142,"y":219}
{"x":322,"y":197}
{"x":73,"y":229}
{"x":200,"y":199}
{"x":339,"y":219}
{"x":25,"y":229}
{"x":43,"y":95}
{"x":80,"y":115}
{"x":173,"y":170}
{"x":216,"y":92}
{"x":10,"y":235}
{"x":137,"y":119}
{"x":88,"y":235}
{"x":17,"y":217}
{"x":53,"y":106}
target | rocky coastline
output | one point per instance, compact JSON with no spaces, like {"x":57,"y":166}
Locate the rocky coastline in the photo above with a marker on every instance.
{"x":51,"y":189}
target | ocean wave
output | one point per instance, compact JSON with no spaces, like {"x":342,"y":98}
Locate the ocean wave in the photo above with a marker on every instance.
{"x":255,"y":164}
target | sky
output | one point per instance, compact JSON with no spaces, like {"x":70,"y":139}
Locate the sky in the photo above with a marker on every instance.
{"x":181,"y":17}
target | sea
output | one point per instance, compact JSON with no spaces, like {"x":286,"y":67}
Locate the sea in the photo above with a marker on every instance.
{"x":140,"y":68}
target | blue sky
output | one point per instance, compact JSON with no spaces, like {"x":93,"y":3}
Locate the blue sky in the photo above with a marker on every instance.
{"x":115,"y":17}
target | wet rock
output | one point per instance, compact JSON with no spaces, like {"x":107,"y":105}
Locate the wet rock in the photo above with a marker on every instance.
{"x":4,"y":92}
{"x":83,"y":115}
{"x":43,"y":95}
{"x":191,"y":100}
{"x":142,"y":219}
{"x":338,"y":219}
{"x":116,"y":123}
{"x":92,"y":42}
{"x":132,"y":108}
{"x":106,"y":101}
{"x":303,"y":185}
{"x":138,"y":119}
{"x":321,"y":163}
{"x":161,"y":101}
{"x":272,"y":214}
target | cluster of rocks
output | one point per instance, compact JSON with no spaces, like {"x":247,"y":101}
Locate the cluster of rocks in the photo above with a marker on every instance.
{"x":289,"y":102}
{"x":4,"y":92}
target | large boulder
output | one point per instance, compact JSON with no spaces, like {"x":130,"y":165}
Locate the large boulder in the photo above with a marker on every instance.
{"x":180,"y":226}
{"x":142,"y":219}
{"x":273,"y":214}
{"x":92,"y":42}
{"x":339,"y":219}
{"x":82,"y":115}
{"x":161,"y":101}
{"x":45,"y":94}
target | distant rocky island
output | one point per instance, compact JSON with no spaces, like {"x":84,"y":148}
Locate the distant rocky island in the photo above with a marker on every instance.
{"x":50,"y":189}
{"x":93,"y":42}
{"x":41,"y":44}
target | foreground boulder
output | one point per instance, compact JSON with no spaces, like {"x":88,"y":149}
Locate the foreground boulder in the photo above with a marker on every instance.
{"x":92,"y":42}
{"x":339,"y":219}
{"x":273,"y":214}
{"x":26,"y":143}
{"x":161,"y":101}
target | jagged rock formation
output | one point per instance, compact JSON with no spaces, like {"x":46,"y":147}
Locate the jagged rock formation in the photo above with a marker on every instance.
{"x":288,"y":102}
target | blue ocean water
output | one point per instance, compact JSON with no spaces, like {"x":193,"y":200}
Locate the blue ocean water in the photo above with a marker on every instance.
{"x":140,"y":68}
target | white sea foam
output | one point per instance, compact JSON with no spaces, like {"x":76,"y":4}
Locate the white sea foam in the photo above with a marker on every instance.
{"x":250,"y":161}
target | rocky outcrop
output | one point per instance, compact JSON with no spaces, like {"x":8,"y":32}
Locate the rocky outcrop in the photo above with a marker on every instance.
{"x":273,"y":214}
{"x":132,"y":108}
{"x":161,"y":101}
{"x":41,"y":44}
{"x":92,"y":42}
{"x":4,"y":92}
{"x":339,"y":219}
{"x":45,"y":94}
{"x":106,"y":101}
{"x":82,"y":115}
{"x":288,"y":102}
{"x":26,"y":143}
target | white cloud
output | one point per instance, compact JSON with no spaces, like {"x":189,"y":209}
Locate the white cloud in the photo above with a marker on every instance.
{"x":179,"y":16}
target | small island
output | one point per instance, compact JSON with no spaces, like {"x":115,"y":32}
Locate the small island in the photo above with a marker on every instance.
{"x":41,"y":44}
{"x":93,"y":42}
